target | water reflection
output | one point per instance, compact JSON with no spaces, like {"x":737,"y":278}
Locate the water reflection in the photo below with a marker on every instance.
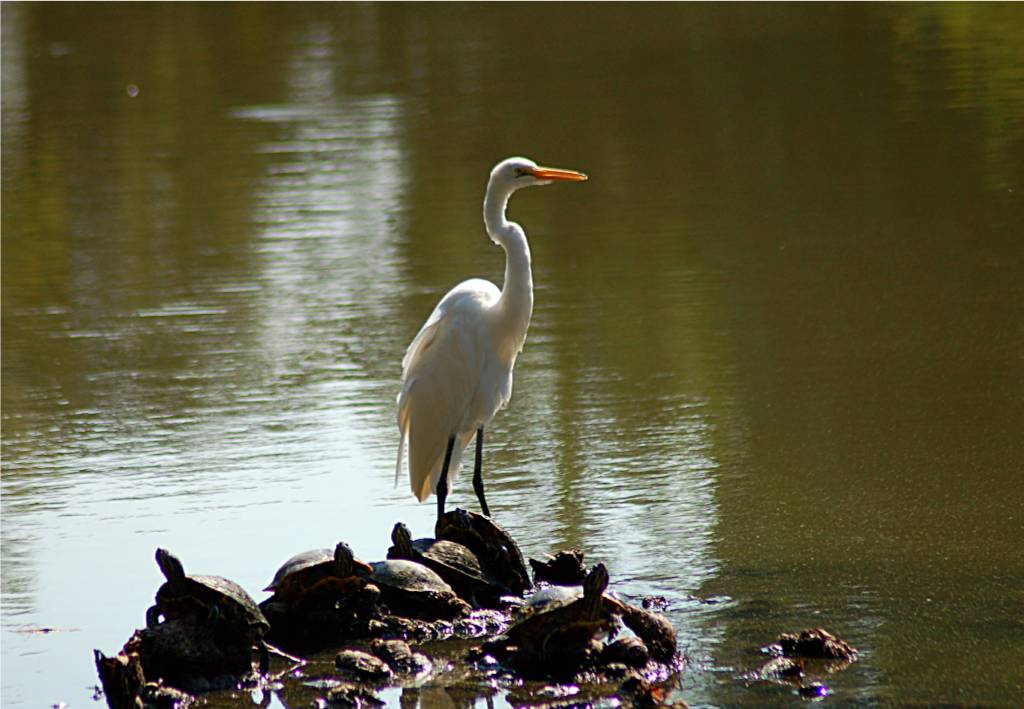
{"x":329,"y":210}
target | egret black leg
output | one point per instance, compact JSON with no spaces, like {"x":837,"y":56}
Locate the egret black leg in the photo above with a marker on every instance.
{"x":478,"y":479}
{"x":442,"y":482}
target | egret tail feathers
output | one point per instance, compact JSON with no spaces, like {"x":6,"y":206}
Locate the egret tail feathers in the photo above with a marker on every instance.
{"x":401,"y":454}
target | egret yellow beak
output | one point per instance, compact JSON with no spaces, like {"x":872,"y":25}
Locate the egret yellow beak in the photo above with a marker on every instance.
{"x":554,"y":173}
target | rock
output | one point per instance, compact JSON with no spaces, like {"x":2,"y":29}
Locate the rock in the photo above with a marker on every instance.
{"x":640,"y":692}
{"x":155,"y":694}
{"x":814,"y":690}
{"x":401,"y":658}
{"x":188,"y":656}
{"x":362,"y":667}
{"x":658,"y":603}
{"x":398,"y":627}
{"x":782,"y":668}
{"x":629,"y":651}
{"x":347,"y":694}
{"x":816,"y":643}
{"x":480,"y":623}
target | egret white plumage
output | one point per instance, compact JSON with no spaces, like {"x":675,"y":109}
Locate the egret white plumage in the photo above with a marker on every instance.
{"x":457,"y":372}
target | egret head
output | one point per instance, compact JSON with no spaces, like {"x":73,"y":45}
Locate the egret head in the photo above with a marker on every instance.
{"x":513,"y":173}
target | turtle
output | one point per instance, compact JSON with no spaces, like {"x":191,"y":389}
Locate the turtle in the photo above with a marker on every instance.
{"x":319,"y":571}
{"x":564,"y":568}
{"x":411,"y":589}
{"x":494,"y":547}
{"x":652,"y":628}
{"x":321,"y":598}
{"x":561,"y":638}
{"x":548,"y":597}
{"x":453,"y":562}
{"x":209,"y":601}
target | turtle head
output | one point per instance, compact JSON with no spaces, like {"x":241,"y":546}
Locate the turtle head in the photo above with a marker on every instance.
{"x":401,"y":537}
{"x":463,"y":519}
{"x":593,"y":590}
{"x":345,"y":562}
{"x":170,"y":565}
{"x":596,"y":582}
{"x":343,"y":558}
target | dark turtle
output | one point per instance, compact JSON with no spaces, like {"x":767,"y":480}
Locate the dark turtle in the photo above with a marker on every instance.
{"x":209,"y":600}
{"x":319,"y":571}
{"x":494,"y":547}
{"x":411,"y":589}
{"x":563,"y":569}
{"x":653,"y":628}
{"x":548,"y":598}
{"x":321,"y":598}
{"x":561,"y":639}
{"x":453,"y":562}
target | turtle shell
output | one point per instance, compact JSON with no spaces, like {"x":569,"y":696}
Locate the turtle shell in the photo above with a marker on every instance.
{"x":452,"y":556}
{"x":455,"y":563}
{"x":550,"y":598}
{"x":413,"y":590}
{"x":561,"y":637}
{"x":305,"y":571}
{"x":198,"y":595}
{"x":565,"y":608}
{"x":408,"y":576}
{"x":652,"y":628}
{"x":302,"y":571}
{"x":496,"y":549}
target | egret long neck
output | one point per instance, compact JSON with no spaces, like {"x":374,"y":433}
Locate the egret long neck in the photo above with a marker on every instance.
{"x":516,"y":303}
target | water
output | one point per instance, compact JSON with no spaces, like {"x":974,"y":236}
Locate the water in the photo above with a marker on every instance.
{"x":775,"y":371}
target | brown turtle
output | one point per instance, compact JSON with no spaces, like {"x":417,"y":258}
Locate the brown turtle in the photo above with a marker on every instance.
{"x":321,"y":598}
{"x":564,"y":568}
{"x":319,"y":572}
{"x":411,"y":589}
{"x":652,"y":628}
{"x":494,"y":547}
{"x":214,"y":602}
{"x":455,"y":563}
{"x":563,"y":637}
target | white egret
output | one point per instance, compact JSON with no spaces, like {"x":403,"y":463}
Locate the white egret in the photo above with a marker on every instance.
{"x":457,"y":372}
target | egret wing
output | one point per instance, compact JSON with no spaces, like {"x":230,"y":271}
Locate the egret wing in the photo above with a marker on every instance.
{"x":441,"y":370}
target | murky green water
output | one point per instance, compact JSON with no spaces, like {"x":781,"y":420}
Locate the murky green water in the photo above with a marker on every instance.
{"x":777,"y":356}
